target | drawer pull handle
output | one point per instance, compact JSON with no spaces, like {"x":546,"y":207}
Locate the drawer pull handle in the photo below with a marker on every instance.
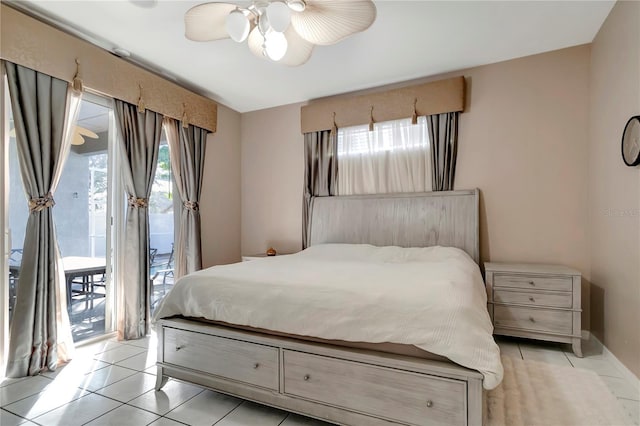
{"x":178,"y":347}
{"x":532,"y":319}
{"x":531,"y":299}
{"x":306,"y":377}
{"x":429,"y":403}
{"x":532,"y":283}
{"x":256,"y":365}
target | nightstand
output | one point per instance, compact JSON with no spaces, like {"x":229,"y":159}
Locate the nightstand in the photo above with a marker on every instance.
{"x":535,"y":301}
{"x":249,"y":257}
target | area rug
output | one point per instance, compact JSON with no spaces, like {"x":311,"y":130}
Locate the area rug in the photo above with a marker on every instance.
{"x":539,"y":394}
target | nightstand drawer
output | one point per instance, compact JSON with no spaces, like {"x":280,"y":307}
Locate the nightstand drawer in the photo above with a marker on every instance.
{"x":533,"y":319}
{"x":533,"y":282}
{"x":533,"y":298}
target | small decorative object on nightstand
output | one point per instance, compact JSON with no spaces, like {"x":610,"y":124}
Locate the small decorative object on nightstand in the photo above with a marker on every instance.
{"x":535,"y":301}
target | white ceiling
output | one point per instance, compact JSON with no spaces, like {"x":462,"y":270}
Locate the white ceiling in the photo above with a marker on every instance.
{"x":93,"y":116}
{"x":409,"y":39}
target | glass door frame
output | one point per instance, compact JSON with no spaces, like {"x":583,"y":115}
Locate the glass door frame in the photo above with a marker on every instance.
{"x":5,"y":241}
{"x":115,"y":222}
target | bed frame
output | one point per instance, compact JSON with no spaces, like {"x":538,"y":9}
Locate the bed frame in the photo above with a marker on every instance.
{"x":333,"y":383}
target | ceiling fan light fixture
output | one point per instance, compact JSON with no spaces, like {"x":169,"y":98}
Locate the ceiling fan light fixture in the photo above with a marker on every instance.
{"x":275,"y":45}
{"x":263,"y":23}
{"x":279,"y":16}
{"x":297,"y":5}
{"x":238,"y":26}
{"x":280,"y":30}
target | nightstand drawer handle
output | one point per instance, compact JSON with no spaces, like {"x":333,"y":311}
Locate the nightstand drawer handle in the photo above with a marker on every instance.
{"x":533,"y":283}
{"x":306,"y":377}
{"x":178,"y":347}
{"x":531,"y":299}
{"x":429,"y":403}
{"x":532,"y":319}
{"x":256,"y":365}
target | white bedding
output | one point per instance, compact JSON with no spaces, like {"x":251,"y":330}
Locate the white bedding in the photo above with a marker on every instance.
{"x":433,"y":298}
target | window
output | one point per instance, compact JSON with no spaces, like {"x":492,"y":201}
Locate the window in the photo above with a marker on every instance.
{"x":394,"y":157}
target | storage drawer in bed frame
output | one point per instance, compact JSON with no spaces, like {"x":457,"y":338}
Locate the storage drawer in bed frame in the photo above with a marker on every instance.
{"x":339,"y":385}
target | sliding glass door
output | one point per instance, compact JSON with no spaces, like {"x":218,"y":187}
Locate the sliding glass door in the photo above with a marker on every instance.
{"x":89,"y":215}
{"x":83,"y":217}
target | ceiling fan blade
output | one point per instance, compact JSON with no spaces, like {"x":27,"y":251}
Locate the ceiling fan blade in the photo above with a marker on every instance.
{"x":299,"y":50}
{"x":207,"y":22}
{"x":77,"y":139}
{"x":329,"y":21}
{"x":86,"y":132}
{"x":78,"y":135}
{"x":255,"y":42}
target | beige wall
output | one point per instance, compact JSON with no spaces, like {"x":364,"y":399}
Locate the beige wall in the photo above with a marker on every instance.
{"x":523,"y":142}
{"x":220,"y":201}
{"x":272,"y":173}
{"x":614,"y":189}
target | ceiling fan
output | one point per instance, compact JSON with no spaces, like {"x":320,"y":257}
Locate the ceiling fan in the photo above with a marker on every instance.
{"x":79,"y":133}
{"x":284,"y":31}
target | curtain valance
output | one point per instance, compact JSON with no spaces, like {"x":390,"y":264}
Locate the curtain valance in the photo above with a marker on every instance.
{"x":436,"y":97}
{"x":100,"y":70}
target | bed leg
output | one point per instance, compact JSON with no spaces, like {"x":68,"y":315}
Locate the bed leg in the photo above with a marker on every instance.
{"x":161,"y":379}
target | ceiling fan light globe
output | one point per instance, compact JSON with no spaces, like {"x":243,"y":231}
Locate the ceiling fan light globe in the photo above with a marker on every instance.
{"x":263,"y":24}
{"x":237,"y":26}
{"x":279,"y":16}
{"x":275,"y":45}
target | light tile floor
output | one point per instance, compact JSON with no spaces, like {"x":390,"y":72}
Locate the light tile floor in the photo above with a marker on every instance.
{"x":111,"y":383}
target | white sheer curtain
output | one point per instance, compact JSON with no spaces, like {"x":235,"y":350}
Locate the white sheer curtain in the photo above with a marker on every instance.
{"x":394,"y":157}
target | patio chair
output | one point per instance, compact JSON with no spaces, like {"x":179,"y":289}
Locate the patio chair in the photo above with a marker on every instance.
{"x":15,"y":261}
{"x":166,"y":270}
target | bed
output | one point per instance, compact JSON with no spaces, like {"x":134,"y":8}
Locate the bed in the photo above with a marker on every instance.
{"x":346,"y":346}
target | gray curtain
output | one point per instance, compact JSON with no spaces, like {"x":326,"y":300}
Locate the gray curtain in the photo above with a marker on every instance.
{"x":187,"y":148}
{"x":443,"y":135}
{"x":320,"y":172}
{"x":140,"y":134}
{"x":40,"y":326}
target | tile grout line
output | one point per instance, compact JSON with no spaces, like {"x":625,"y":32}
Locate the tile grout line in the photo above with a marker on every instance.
{"x":285,"y":418}
{"x":106,"y":412}
{"x":520,"y":351}
{"x":60,"y":406}
{"x":120,"y":360}
{"x":234,"y":409}
{"x":4,"y":407}
{"x":154,"y":390}
{"x":627,"y":399}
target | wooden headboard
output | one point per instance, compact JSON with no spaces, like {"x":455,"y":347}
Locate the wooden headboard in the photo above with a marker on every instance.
{"x":448,"y":218}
